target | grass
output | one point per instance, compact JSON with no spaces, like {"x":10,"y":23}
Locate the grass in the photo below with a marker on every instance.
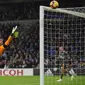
{"x":34,"y":80}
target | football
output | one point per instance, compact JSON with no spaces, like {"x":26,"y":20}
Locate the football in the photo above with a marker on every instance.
{"x":54,"y":4}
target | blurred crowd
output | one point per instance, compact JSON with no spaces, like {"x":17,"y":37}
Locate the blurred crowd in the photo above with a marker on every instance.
{"x":18,"y":11}
{"x":23,"y":52}
{"x":24,"y":49}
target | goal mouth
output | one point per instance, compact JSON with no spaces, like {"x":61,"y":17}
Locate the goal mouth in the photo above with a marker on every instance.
{"x":61,"y":27}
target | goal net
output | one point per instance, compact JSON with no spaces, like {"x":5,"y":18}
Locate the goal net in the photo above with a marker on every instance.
{"x":62,"y":28}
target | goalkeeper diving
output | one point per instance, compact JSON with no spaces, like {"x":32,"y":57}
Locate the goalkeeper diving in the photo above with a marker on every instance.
{"x":3,"y":46}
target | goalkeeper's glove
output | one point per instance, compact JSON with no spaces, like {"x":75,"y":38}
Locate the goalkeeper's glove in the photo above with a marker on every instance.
{"x":14,"y":29}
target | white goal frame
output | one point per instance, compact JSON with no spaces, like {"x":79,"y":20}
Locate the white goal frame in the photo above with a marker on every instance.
{"x":42,"y":8}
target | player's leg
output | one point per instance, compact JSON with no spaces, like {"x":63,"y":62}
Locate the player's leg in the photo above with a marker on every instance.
{"x":70,"y":70}
{"x":62,"y":73}
{"x":72,"y":73}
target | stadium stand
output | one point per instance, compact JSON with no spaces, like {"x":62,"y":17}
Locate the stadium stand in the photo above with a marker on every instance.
{"x":25,"y":48}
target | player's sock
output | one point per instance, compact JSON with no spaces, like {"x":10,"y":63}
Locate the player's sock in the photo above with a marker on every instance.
{"x":61,"y":76}
{"x":72,"y":77}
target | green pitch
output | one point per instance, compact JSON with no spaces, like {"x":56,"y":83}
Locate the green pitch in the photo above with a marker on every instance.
{"x":34,"y":80}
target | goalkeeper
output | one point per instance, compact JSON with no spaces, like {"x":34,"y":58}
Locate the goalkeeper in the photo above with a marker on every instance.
{"x":7,"y":42}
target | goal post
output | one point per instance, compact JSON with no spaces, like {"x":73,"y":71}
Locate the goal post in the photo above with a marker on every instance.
{"x":41,"y":46}
{"x":56,"y":27}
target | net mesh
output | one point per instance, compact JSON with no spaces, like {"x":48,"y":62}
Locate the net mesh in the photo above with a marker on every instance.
{"x":61,"y":29}
{"x":77,"y":9}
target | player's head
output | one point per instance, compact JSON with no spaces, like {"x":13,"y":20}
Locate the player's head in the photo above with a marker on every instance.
{"x":61,"y":48}
{"x":1,"y":41}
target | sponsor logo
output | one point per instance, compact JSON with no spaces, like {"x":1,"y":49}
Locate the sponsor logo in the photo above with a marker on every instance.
{"x":16,"y":72}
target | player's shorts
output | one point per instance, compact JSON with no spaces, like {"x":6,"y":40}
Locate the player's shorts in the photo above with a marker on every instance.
{"x":62,"y":63}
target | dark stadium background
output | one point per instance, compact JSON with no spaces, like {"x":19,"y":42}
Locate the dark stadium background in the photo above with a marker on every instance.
{"x":24,"y":13}
{"x":23,"y":52}
{"x":63,"y":3}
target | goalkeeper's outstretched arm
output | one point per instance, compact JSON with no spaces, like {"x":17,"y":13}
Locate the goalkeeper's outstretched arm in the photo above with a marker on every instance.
{"x":8,"y":41}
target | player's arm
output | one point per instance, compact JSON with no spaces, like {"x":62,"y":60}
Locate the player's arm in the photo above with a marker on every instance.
{"x":8,"y":41}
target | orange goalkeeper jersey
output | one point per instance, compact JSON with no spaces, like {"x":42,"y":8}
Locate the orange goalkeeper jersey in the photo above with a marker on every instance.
{"x":3,"y":47}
